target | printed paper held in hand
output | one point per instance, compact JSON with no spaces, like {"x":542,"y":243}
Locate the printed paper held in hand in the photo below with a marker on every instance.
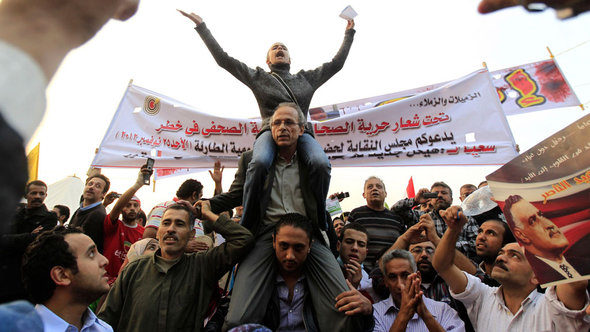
{"x":333,"y":207}
{"x":348,"y":13}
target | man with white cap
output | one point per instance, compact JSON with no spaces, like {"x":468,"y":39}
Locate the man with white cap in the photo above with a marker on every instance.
{"x":120,"y":234}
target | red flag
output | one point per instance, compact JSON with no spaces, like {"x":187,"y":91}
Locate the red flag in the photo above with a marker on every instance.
{"x":410,"y":189}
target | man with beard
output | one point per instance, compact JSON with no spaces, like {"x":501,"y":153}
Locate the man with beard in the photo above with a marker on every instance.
{"x":404,"y":208}
{"x":515,"y":305}
{"x":30,"y":219}
{"x":119,"y":235}
{"x":492,"y":236}
{"x":291,"y":307}
{"x":63,"y":272}
{"x":383,"y":225}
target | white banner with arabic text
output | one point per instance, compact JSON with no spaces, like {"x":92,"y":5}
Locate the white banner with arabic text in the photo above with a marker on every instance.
{"x":522,"y":89}
{"x":459,"y":123}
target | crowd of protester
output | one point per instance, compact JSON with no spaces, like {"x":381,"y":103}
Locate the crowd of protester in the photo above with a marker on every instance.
{"x":279,"y":262}
{"x":396,"y":277}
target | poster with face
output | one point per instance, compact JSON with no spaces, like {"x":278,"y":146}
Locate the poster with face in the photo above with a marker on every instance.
{"x":545,"y":196}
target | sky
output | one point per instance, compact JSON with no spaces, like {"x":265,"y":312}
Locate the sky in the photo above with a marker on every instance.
{"x":397,"y":46}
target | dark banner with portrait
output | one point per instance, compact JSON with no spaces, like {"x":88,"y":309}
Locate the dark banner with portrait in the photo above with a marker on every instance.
{"x":545,"y":196}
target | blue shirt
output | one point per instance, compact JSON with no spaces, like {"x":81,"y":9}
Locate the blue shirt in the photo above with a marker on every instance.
{"x":54,"y":323}
{"x":386,"y":311}
{"x":84,"y":208}
{"x":291,"y":312}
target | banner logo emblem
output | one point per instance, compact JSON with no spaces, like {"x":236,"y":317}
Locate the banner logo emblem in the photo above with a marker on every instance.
{"x":151,"y":105}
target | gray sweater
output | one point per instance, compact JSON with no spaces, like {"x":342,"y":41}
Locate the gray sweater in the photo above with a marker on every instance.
{"x":268,"y":91}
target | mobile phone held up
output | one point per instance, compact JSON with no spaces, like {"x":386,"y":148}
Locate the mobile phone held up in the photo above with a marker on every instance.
{"x":150,"y":166}
{"x":342,"y":195}
{"x":430,"y":195}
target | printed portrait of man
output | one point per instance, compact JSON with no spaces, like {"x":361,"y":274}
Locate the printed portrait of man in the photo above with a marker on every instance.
{"x":548,"y":250}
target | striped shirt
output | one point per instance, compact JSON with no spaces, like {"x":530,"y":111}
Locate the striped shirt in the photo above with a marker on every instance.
{"x":386,"y":311}
{"x":384,"y":227}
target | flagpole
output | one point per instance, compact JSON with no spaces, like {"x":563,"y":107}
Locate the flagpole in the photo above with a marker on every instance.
{"x":550,"y":53}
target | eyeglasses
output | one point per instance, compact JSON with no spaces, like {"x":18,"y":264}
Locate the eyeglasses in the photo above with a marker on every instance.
{"x":288,"y":123}
{"x":418,"y":250}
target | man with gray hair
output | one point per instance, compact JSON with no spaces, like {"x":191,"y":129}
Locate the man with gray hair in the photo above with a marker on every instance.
{"x":383,"y":225}
{"x":287,"y":189}
{"x":407,"y":309}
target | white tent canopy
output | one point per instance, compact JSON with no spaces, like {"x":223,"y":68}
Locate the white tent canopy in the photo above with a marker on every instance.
{"x":66,"y":192}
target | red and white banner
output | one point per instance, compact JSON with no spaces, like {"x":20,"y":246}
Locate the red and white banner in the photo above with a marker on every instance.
{"x":527,"y":88}
{"x":458,"y":123}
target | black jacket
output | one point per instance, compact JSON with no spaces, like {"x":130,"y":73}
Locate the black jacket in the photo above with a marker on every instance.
{"x":92,"y":223}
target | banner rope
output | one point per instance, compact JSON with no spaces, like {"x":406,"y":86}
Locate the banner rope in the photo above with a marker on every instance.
{"x":574,"y":47}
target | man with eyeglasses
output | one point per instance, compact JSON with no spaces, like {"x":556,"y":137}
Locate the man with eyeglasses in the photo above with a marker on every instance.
{"x":270,"y":89}
{"x":466,"y":190}
{"x":404,"y":208}
{"x":287,"y":189}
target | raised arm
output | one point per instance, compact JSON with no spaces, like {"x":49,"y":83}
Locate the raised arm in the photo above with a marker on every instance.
{"x":321,"y":74}
{"x":217,"y":176}
{"x":235,"y":67}
{"x":444,"y":255}
{"x":412,"y":235}
{"x":404,"y":207}
{"x":233,"y":197}
{"x":461,"y":261}
{"x":126,"y":197}
{"x":576,"y":6}
{"x":573,"y":295}
{"x":238,"y":240}
{"x":192,"y":16}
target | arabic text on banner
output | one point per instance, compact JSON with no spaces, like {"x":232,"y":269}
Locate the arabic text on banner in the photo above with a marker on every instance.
{"x":527,"y":88}
{"x":459,"y":123}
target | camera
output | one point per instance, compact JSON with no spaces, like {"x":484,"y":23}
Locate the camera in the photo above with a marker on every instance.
{"x":430,"y":195}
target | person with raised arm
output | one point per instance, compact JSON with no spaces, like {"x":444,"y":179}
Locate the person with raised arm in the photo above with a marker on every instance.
{"x":270,"y":89}
{"x":515,"y":305}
